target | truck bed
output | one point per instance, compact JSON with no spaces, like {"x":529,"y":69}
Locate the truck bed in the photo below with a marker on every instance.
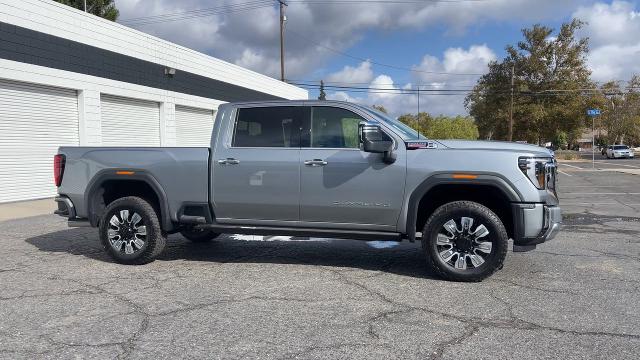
{"x":182,"y":173}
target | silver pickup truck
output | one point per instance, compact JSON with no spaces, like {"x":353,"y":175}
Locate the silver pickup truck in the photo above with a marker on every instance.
{"x":317,"y":168}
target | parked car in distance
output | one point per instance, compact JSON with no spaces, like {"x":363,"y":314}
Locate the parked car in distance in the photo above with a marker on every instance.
{"x":619,"y":151}
{"x":317,"y":168}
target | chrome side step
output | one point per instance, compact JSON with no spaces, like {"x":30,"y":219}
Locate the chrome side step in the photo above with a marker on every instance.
{"x":306,"y":232}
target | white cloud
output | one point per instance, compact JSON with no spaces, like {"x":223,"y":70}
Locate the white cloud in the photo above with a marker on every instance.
{"x":311,"y":28}
{"x":614,"y":34}
{"x":454,"y":60}
{"x":349,"y":74}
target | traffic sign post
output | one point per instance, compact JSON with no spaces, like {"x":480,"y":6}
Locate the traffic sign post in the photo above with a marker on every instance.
{"x":593,"y":113}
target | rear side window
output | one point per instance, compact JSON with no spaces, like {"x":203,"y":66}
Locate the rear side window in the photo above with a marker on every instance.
{"x":276,"y":127}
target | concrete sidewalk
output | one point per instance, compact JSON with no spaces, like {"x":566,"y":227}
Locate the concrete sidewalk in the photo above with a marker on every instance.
{"x":23,"y":209}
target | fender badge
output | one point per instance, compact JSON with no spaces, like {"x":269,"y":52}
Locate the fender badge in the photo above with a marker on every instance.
{"x":422,"y":145}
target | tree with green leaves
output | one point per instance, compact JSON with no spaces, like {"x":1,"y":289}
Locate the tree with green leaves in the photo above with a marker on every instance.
{"x":420,"y":122}
{"x":549,"y":69}
{"x":323,"y":94}
{"x":621,"y":111}
{"x":102,"y":8}
{"x":561,"y":140}
{"x":442,"y":127}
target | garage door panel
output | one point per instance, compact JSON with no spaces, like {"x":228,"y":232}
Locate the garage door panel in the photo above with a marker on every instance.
{"x":34,"y":121}
{"x":129,"y":122}
{"x":193,"y":126}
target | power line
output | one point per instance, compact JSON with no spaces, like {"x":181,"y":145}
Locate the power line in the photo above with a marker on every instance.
{"x":192,"y":14}
{"x":252,"y":5}
{"x":435,"y":84}
{"x":393,"y":2}
{"x":460,"y":92}
{"x":379,"y":63}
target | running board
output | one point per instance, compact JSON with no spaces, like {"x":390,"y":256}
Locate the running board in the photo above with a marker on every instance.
{"x":306,"y":232}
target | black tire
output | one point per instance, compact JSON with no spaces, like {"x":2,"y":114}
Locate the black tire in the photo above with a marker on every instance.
{"x":199,"y":236}
{"x":481,"y":215}
{"x":154,"y":238}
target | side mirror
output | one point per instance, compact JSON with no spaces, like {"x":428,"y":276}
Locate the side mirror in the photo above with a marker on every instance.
{"x":374,"y":140}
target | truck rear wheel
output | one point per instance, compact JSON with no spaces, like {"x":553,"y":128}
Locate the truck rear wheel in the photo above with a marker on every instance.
{"x":464,"y":241}
{"x":199,"y":235}
{"x":130,"y":231}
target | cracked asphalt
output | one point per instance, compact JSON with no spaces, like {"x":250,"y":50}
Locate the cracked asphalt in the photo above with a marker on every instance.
{"x":251,"y":297}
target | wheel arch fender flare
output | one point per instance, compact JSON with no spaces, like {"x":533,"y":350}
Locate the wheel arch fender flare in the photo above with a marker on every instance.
{"x":495,"y":180}
{"x":99,"y":179}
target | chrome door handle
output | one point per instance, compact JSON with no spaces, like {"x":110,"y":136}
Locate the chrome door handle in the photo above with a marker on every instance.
{"x":228,"y":161}
{"x":315,"y":162}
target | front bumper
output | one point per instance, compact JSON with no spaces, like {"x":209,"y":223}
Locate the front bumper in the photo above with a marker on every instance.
{"x":623,"y":155}
{"x":534,"y":224}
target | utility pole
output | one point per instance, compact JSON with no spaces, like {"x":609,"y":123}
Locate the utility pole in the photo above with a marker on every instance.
{"x":510,"y":136}
{"x":418,"y":100}
{"x":418,"y":119}
{"x":85,"y":5}
{"x":283,"y":18}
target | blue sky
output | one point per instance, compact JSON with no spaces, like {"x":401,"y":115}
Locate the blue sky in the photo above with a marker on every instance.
{"x":427,"y":36}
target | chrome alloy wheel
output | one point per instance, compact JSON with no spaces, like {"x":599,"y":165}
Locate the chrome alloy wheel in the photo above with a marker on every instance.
{"x":127,"y":233}
{"x":461,"y":247}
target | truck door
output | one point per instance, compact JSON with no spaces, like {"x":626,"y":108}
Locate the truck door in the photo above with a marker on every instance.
{"x":342,"y":186}
{"x":256,"y":166}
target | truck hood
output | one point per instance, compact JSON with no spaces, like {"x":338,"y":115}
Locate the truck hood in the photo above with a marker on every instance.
{"x":494,"y":145}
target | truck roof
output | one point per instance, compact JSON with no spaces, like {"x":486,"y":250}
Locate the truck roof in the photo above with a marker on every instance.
{"x":285,"y":102}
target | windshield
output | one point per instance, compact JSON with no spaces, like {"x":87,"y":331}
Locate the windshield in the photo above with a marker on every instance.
{"x":405,"y":131}
{"x":620,"y":147}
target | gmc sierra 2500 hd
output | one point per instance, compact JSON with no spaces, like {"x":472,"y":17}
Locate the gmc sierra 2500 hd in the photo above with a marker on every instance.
{"x":317,"y":168}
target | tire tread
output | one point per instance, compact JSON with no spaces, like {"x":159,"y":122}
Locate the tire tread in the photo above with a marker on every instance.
{"x":156,"y":241}
{"x":464,"y":205}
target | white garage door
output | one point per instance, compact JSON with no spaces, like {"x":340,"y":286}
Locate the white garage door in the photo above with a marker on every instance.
{"x":129,"y":122}
{"x":193,"y":126}
{"x":34,"y":121}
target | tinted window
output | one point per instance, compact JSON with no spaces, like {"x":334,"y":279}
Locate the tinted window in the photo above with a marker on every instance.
{"x":268,"y":127}
{"x":332,"y":128}
{"x":620,"y":147}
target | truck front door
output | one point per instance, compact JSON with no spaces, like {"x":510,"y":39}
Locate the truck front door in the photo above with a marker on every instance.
{"x":342,"y":186}
{"x":256,"y":167}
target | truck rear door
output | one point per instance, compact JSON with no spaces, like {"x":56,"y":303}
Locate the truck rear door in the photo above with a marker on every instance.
{"x":256,"y":166}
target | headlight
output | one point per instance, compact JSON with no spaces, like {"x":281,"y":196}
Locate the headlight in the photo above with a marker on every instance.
{"x":538,"y":170}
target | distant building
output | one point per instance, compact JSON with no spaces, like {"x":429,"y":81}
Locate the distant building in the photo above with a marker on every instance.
{"x":70,"y":78}
{"x":585,"y":140}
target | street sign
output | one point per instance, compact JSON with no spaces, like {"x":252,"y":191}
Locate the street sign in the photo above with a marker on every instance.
{"x":593,"y":112}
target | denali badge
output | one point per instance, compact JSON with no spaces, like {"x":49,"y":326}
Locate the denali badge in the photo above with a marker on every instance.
{"x":421,"y":145}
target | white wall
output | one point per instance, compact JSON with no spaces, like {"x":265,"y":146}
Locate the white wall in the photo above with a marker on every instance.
{"x":63,"y":21}
{"x":89,"y":89}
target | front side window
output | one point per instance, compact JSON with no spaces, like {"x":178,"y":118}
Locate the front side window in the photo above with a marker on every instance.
{"x":332,"y":128}
{"x":276,"y":127}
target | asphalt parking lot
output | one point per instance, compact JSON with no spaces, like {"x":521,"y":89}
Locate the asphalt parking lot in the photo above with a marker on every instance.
{"x":576,"y":297}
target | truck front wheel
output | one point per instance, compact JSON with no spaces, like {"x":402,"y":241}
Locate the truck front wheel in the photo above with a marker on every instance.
{"x":130,"y":231}
{"x":464,"y":241}
{"x":199,"y":235}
